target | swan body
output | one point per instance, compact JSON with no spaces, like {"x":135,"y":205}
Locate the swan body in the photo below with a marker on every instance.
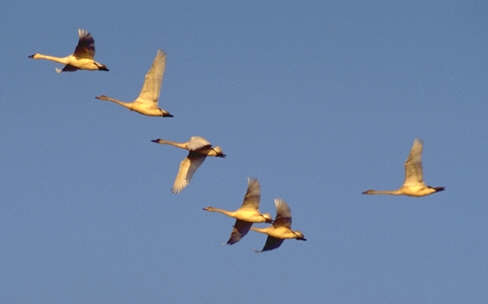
{"x":147,"y":101}
{"x":199,"y":148}
{"x":247,"y":214}
{"x":81,"y":59}
{"x":413,"y":185}
{"x":280,"y":229}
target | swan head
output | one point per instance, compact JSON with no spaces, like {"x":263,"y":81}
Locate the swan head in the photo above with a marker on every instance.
{"x":218,"y":151}
{"x":33,"y":56}
{"x":369,"y":191}
{"x":267,"y":218}
{"x":300,"y":236}
{"x":102,"y":97}
{"x":208,"y":208}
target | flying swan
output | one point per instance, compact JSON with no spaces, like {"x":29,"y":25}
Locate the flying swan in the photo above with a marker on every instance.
{"x":247,"y":214}
{"x":147,"y":101}
{"x":199,"y":148}
{"x":280,"y":229}
{"x":81,"y":59}
{"x":413,"y":185}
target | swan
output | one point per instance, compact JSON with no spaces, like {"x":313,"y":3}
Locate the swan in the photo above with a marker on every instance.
{"x":280,"y":229}
{"x":199,"y":148}
{"x":247,"y":214}
{"x":413,"y":185}
{"x":147,"y":101}
{"x":81,"y":59}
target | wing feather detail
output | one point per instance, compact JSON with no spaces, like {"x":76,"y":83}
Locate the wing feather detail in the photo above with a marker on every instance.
{"x":153,"y":80}
{"x":188,"y":167}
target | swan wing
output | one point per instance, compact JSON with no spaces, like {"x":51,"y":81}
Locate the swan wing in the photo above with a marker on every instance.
{"x":153,"y":80}
{"x":198,"y":142}
{"x":272,"y":243}
{"x":283,"y":214}
{"x":86,"y":45}
{"x":413,"y":164}
{"x":69,"y":68}
{"x":253,"y":194}
{"x":188,"y":166}
{"x":241,"y":228}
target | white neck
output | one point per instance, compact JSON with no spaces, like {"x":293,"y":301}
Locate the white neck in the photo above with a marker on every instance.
{"x":228,"y":213}
{"x":63,"y":60}
{"x":178,"y":145}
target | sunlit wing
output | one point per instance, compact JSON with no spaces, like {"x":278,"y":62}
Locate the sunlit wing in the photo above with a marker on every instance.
{"x":272,"y":243}
{"x":413,"y":164}
{"x":153,"y":80}
{"x":86,"y":45}
{"x":253,"y":194}
{"x":241,"y":228}
{"x":188,"y":166}
{"x":283,"y":214}
{"x":198,"y":142}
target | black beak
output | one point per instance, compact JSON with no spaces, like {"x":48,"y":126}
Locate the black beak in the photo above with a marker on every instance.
{"x":104,"y":68}
{"x":155,"y":140}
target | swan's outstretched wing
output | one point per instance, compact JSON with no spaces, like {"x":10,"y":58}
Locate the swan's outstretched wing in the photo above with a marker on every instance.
{"x":86,"y":45}
{"x":188,"y":166}
{"x":253,"y":194}
{"x":283,"y":214}
{"x":272,"y":243}
{"x":153,"y":80}
{"x":198,"y":142}
{"x":413,"y":164}
{"x":241,"y":228}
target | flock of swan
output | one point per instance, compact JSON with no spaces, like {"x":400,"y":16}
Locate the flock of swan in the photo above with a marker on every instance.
{"x":147,"y":103}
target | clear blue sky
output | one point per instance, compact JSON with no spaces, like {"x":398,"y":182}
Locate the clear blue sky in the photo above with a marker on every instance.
{"x":319,"y":100}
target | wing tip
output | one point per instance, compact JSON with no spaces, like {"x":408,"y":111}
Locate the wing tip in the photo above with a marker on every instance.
{"x":82,"y":33}
{"x":279,"y":202}
{"x":161,"y":52}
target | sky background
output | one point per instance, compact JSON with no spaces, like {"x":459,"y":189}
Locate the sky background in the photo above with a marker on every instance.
{"x":319,"y":100}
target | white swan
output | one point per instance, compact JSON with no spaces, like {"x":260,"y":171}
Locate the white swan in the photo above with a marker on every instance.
{"x":147,"y":101}
{"x":81,"y":59}
{"x":247,"y":214}
{"x":199,"y":148}
{"x":280,"y":229}
{"x":413,"y":185}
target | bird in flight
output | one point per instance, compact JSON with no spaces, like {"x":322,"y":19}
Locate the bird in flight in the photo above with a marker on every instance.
{"x":413,"y":185}
{"x":81,"y":59}
{"x":199,"y":148}
{"x":247,"y":214}
{"x":147,"y":101}
{"x":280,"y":229}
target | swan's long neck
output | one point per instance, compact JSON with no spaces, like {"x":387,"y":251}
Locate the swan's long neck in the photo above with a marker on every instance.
{"x":122,"y":103}
{"x":175,"y":144}
{"x":63,"y":60}
{"x":226,"y":212}
{"x":260,"y":230}
{"x":389,"y":192}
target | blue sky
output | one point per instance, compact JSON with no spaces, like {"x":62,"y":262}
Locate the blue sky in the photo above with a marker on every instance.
{"x":318,"y":100}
